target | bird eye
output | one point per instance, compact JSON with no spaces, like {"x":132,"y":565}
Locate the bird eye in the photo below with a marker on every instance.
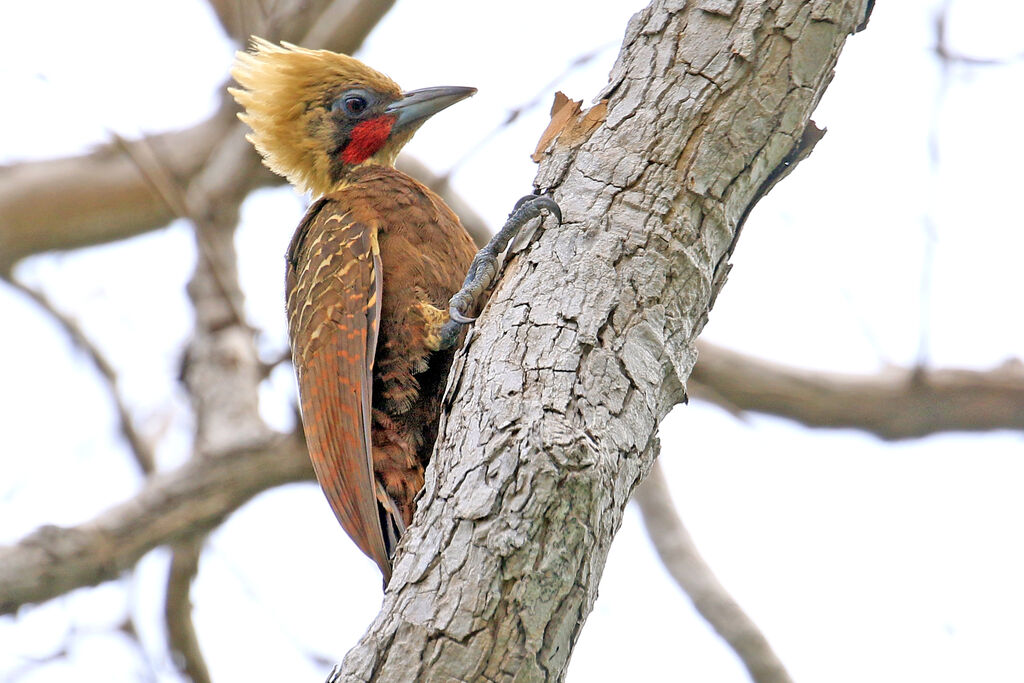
{"x":353,"y":103}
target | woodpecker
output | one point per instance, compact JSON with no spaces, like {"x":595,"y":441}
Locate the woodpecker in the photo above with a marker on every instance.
{"x":373,"y":275}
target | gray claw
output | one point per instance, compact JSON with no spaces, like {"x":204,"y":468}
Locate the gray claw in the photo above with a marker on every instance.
{"x":540,"y":201}
{"x":458,"y":317}
{"x":523,"y":200}
{"x":546,"y":202}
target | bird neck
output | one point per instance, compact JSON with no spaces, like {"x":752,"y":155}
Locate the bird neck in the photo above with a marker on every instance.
{"x":343,"y":174}
{"x":367,"y":172}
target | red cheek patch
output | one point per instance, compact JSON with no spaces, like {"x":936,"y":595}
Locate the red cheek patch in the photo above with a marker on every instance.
{"x":367,"y":138}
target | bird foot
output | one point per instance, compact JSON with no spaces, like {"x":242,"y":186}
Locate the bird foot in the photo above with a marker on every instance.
{"x":484,"y":268}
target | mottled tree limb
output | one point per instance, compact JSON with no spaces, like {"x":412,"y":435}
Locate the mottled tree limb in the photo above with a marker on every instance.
{"x":895,"y":403}
{"x":679,"y":555}
{"x":221,"y":373}
{"x":587,"y":341}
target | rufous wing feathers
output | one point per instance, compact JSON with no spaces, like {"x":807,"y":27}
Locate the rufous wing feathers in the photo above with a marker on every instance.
{"x":334,"y":294}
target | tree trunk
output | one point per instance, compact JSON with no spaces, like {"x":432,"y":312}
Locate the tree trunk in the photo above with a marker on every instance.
{"x":553,"y":406}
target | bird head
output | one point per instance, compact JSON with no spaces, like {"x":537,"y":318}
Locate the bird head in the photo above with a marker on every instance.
{"x":316,"y":114}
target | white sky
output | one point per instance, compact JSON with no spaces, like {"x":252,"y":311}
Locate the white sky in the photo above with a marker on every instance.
{"x":860,"y":560}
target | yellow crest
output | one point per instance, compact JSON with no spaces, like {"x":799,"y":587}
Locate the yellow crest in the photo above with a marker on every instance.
{"x":286,"y":92}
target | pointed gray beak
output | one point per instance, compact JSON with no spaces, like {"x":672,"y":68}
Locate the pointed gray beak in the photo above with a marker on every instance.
{"x":419,"y":105}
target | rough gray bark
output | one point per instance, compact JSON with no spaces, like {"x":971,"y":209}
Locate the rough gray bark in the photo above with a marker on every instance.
{"x":588,"y":340}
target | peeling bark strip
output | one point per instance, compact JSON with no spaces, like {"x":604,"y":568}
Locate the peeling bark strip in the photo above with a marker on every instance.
{"x":559,"y":397}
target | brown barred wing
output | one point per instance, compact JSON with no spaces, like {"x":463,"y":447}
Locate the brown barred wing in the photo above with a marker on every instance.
{"x":334,"y":291}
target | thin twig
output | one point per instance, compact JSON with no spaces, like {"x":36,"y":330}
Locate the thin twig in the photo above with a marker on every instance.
{"x":140,"y":448}
{"x":155,"y":173}
{"x":181,"y":631}
{"x":513,"y":114}
{"x":679,"y":555}
{"x":947,"y":56}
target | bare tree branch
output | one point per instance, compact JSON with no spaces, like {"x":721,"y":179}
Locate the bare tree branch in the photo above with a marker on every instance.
{"x":154,"y":171}
{"x":893,"y":404}
{"x":140,"y":448}
{"x":240,"y":19}
{"x":181,"y":633}
{"x":947,"y":55}
{"x":171,"y":507}
{"x":101,"y":197}
{"x":222,"y":373}
{"x":342,"y":26}
{"x":682,"y":560}
{"x":96,"y":198}
{"x":339,"y":25}
{"x":176,"y":506}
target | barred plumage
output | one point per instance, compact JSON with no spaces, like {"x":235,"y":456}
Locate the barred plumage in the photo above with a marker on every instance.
{"x":370,"y":271}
